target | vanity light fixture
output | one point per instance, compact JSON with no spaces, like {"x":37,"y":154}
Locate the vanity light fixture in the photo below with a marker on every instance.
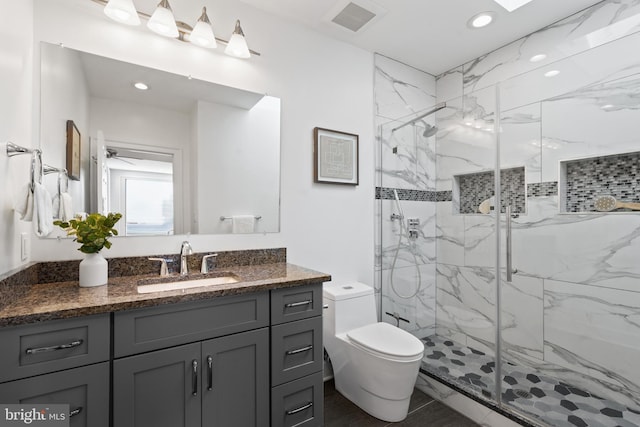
{"x":202,"y":34}
{"x":552,"y":73}
{"x":237,"y":44}
{"x":480,"y":20}
{"x":122,"y":11}
{"x":164,"y":23}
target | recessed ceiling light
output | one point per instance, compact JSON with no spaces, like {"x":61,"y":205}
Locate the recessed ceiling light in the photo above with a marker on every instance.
{"x":512,"y":5}
{"x":480,"y":20}
{"x":537,"y":58}
{"x":607,"y":106}
{"x":551,"y":73}
{"x":140,"y":86}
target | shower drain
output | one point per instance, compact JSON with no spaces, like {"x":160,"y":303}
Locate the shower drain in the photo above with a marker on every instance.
{"x":522,"y":393}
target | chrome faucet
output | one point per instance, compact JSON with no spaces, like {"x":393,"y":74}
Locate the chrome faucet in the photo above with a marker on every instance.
{"x":184,"y":251}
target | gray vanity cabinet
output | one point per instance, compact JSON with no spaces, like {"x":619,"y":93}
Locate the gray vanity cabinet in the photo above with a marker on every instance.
{"x":235,"y":380}
{"x":84,"y":389}
{"x":157,"y":389}
{"x":220,"y":381}
{"x":59,"y":362}
{"x":297,"y":397}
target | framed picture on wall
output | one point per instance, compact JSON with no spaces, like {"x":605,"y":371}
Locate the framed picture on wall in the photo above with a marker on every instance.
{"x":335,"y":157}
{"x":73,"y":151}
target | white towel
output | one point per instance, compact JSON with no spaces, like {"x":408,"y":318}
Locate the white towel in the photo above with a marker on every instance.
{"x":24,"y":205}
{"x":42,"y":211}
{"x":63,"y":206}
{"x":243,"y":223}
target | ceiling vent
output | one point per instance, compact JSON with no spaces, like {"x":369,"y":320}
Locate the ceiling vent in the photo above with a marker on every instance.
{"x":353,"y":17}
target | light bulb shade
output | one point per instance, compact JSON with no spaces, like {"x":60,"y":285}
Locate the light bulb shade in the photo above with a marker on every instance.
{"x":122,"y":11}
{"x":162,"y":21}
{"x":237,"y":45}
{"x":202,"y":34}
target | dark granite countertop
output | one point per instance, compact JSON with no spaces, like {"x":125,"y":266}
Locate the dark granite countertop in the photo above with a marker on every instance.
{"x":21,"y":304}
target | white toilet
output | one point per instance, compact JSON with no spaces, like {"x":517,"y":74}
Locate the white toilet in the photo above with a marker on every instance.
{"x":375,"y":365}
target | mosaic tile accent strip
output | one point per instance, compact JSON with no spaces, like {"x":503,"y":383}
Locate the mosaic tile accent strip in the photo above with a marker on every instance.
{"x":478,"y":187}
{"x":542,"y":189}
{"x":586,"y":179}
{"x":551,"y":401}
{"x":386,"y":193}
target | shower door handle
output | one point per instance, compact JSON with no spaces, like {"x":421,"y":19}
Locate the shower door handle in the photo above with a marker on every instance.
{"x":510,"y":269}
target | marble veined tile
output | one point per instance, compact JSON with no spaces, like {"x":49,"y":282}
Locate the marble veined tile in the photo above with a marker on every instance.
{"x":520,"y":140}
{"x":597,"y":249}
{"x":609,"y":62}
{"x":450,"y":243}
{"x":593,"y":27}
{"x":595,"y":120}
{"x":449,"y":85}
{"x":466,"y":301}
{"x":594,"y":331}
{"x":401,"y":90}
{"x":412,"y":296}
{"x":522,"y":315}
{"x":407,"y":157}
{"x":421,"y":250}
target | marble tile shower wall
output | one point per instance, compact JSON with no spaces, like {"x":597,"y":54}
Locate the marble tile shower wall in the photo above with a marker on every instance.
{"x":406,"y":162}
{"x":572,"y":309}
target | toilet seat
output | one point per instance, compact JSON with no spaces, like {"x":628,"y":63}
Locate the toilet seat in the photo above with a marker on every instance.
{"x":386,"y":341}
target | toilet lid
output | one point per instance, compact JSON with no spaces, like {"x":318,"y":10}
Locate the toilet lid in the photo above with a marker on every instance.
{"x":386,"y":339}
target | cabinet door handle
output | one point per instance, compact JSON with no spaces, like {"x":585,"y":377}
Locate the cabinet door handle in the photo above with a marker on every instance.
{"x":300,"y":409}
{"x":210,"y":373}
{"x":299,"y":350}
{"x":75,"y":412}
{"x":194,"y":378}
{"x":72,"y":344}
{"x":299,"y":303}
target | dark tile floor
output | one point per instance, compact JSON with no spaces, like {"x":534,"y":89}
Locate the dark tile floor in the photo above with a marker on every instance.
{"x":423,"y":411}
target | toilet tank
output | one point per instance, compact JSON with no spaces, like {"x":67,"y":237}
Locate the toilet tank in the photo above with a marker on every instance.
{"x":350,"y":305}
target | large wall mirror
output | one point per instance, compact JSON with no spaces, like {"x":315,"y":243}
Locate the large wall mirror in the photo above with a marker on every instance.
{"x":174,"y":155}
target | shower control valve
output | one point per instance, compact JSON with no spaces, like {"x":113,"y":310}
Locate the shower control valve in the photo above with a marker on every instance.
{"x":413,"y":227}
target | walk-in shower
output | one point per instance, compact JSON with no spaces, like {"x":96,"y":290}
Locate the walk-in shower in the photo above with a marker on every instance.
{"x":553,"y":339}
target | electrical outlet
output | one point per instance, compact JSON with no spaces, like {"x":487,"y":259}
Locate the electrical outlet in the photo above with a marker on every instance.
{"x":24,"y":246}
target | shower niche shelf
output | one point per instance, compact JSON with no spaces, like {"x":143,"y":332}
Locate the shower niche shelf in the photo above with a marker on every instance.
{"x":470,"y":190}
{"x":583,"y":180}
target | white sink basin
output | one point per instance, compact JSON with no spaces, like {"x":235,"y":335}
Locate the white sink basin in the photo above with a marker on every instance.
{"x":185,"y":284}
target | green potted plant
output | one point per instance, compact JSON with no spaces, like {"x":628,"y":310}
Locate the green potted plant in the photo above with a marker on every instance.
{"x":93,"y":233}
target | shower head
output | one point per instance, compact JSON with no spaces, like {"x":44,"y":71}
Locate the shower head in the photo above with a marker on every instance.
{"x":429,"y":130}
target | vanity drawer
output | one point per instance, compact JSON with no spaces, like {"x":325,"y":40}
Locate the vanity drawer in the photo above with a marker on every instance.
{"x":152,"y":328}
{"x":85,"y":390}
{"x":35,"y":349}
{"x":301,"y":302}
{"x":298,"y":403}
{"x":296,"y":349}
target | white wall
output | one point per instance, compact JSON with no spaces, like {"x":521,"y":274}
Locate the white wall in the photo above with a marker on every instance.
{"x":322,"y":82}
{"x":242,"y":144}
{"x":16,"y":73}
{"x":64,"y":96}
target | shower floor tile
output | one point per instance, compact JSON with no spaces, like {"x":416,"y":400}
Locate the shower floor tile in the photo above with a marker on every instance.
{"x":545,"y":398}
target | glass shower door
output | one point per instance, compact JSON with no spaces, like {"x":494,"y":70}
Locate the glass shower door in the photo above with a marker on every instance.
{"x":570,"y":312}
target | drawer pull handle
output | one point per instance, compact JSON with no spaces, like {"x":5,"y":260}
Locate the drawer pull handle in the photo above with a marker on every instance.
{"x":210,"y":367}
{"x":194,"y":378}
{"x":298,"y":304}
{"x":75,"y":412}
{"x":72,"y":344}
{"x":299,"y":350}
{"x":300,"y":409}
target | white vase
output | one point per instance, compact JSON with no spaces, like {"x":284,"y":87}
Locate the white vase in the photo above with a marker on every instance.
{"x":94,"y":270}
